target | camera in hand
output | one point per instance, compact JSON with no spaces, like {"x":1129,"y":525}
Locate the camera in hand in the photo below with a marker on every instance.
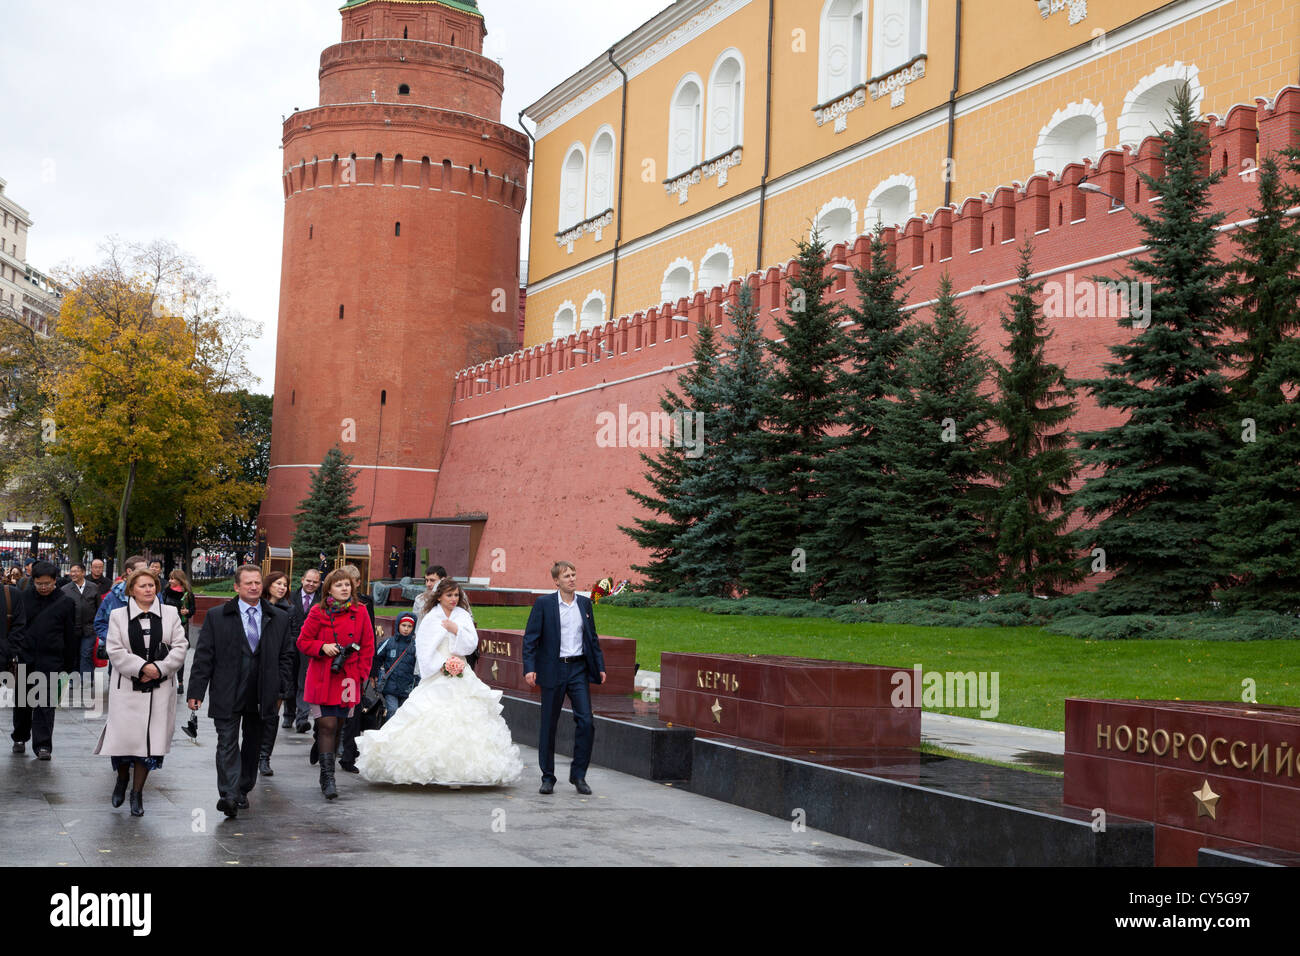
{"x":341,"y":658}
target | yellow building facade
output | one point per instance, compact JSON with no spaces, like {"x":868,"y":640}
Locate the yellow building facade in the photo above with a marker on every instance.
{"x":704,"y":144}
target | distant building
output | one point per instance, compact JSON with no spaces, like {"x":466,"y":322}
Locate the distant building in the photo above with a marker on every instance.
{"x":24,"y":290}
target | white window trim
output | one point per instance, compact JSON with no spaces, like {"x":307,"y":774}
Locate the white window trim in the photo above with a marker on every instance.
{"x":555,"y":319}
{"x":1088,"y":108}
{"x":731,"y":264}
{"x":673,"y":267}
{"x":898,"y":179}
{"x":593,"y":295}
{"x":591,"y":168}
{"x":562,"y":225}
{"x":699,"y":132}
{"x":1131,"y":133}
{"x":823,"y":38}
{"x":712,"y":149}
{"x":925,"y":37}
{"x":839,"y":202}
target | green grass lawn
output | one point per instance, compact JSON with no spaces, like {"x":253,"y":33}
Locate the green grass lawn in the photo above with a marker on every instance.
{"x":1037,"y":670}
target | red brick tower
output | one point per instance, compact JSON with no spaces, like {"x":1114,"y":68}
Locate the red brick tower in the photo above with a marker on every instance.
{"x":403,"y":197}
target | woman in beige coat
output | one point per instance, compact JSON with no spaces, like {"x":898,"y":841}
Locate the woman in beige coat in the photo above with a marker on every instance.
{"x":146,"y":646}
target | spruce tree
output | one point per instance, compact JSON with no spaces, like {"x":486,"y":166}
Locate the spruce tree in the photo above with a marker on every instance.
{"x":327,"y":517}
{"x":1158,"y":469}
{"x":1258,"y":521}
{"x":672,"y":508}
{"x":718,"y":480}
{"x":1033,"y":462}
{"x":1263,"y":284}
{"x":778,"y":524}
{"x":931,"y":538}
{"x":857,"y":470}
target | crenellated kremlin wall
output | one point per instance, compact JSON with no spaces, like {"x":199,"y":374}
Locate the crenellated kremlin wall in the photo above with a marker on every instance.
{"x":522,"y":448}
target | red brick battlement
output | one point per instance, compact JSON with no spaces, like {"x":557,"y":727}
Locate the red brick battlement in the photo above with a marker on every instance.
{"x":975,"y":241}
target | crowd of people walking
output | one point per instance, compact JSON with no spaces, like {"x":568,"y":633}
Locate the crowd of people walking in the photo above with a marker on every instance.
{"x":405,"y":709}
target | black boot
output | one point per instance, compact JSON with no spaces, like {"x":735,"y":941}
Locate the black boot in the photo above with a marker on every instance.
{"x":264,"y":766}
{"x":119,"y":789}
{"x":327,"y":786}
{"x":137,"y":803}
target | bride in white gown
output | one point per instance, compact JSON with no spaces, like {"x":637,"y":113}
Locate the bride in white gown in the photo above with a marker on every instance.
{"x":449,"y":731}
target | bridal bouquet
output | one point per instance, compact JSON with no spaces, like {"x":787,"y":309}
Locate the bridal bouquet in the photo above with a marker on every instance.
{"x":455,"y":667}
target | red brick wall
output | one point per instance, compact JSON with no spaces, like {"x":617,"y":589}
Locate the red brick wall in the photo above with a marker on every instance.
{"x":522,"y":448}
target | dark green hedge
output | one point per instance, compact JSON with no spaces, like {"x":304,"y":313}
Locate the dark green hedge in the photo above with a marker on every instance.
{"x":1075,"y":616}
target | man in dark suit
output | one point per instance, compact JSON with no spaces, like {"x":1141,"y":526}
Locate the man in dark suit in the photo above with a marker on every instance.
{"x":302,"y":601}
{"x":244,"y":651}
{"x":49,"y":646}
{"x":562,"y":657}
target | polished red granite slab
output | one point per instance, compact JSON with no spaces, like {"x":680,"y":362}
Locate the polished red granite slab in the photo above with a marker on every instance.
{"x":786,"y":701}
{"x":1206,"y":773}
{"x":501,"y":662}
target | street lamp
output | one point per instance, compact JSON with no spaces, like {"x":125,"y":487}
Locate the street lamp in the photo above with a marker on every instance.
{"x":1087,"y":187}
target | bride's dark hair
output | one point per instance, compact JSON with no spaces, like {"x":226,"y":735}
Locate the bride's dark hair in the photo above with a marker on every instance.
{"x":447,"y":584}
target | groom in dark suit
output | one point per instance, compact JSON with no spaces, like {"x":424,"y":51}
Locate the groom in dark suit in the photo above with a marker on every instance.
{"x":562,"y":656}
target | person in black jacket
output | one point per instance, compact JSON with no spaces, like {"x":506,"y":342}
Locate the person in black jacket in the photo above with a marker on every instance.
{"x":244,"y":654}
{"x":85,"y":596}
{"x":276,"y":590}
{"x":301,"y":602}
{"x":50,"y":645}
{"x":13,"y":622}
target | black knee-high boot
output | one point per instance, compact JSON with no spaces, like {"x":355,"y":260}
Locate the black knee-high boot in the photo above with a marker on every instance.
{"x":327,"y":786}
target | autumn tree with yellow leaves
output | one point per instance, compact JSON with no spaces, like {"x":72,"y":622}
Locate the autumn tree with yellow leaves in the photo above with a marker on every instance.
{"x":142,"y":405}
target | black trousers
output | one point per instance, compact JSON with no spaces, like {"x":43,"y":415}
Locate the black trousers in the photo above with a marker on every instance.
{"x":271,"y":727}
{"x":573,"y":684}
{"x":36,"y":723}
{"x":236,"y":761}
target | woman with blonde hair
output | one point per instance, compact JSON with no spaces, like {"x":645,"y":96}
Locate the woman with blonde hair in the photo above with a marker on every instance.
{"x":146,"y":647}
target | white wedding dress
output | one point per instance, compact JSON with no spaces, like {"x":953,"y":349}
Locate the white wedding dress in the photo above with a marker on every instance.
{"x":450,"y":730}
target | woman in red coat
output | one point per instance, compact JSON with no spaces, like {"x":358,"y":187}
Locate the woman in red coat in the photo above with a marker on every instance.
{"x":337,"y":626}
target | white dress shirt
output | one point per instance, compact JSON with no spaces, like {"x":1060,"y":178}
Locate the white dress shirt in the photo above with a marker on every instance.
{"x":570,"y":626}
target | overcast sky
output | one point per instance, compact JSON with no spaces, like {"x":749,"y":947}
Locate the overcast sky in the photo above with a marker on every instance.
{"x":159,"y":119}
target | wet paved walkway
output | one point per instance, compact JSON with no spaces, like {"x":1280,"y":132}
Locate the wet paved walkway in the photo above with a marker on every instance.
{"x":58,"y":813}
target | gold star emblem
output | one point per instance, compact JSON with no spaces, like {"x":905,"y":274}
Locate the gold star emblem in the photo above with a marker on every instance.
{"x":494,"y":670}
{"x":717,"y":711}
{"x":1206,"y":799}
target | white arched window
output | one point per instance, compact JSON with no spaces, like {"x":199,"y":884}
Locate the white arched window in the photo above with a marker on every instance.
{"x":679,"y":278}
{"x":715,"y":269}
{"x":898,"y":33}
{"x":600,"y":178}
{"x":573,"y":185}
{"x":684,"y":124}
{"x":842,"y":59}
{"x":565,"y":321}
{"x":837,"y":221}
{"x":891,"y":203}
{"x":593,"y":310}
{"x":1073,"y":133}
{"x":1146,"y":107}
{"x":726,"y":103}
